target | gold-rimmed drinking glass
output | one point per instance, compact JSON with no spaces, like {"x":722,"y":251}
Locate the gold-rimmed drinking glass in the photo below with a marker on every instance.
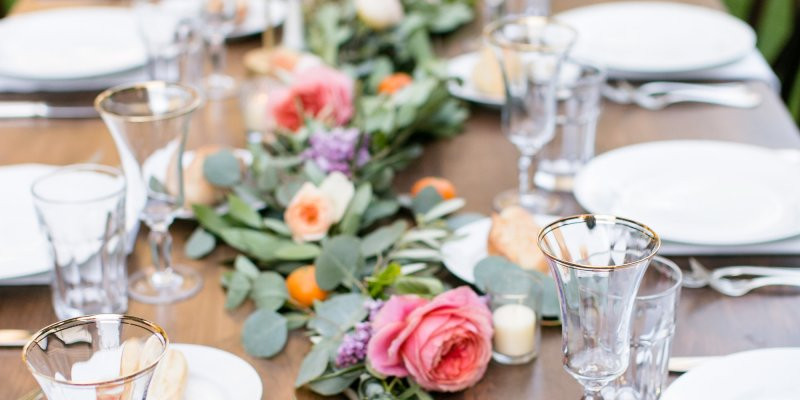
{"x":96,"y":357}
{"x":149,"y":122}
{"x":530,"y":50}
{"x":598,"y":262}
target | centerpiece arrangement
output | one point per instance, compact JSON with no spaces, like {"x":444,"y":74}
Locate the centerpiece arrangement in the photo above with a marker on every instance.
{"x":334,"y":250}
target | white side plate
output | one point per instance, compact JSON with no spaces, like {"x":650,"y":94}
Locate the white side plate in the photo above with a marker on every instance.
{"x":218,"y":375}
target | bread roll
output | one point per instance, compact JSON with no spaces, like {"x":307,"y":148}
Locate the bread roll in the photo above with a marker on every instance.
{"x":487,"y":75}
{"x":513,"y":235}
{"x":170,"y":377}
{"x":196,"y":189}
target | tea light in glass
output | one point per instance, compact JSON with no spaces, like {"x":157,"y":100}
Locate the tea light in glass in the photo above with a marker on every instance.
{"x":515,"y":301}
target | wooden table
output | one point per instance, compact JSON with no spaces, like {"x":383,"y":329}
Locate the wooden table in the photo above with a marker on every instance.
{"x":480,"y":163}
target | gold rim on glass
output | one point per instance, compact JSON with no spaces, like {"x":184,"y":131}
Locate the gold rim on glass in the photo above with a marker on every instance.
{"x":186,"y":109}
{"x":90,"y":319}
{"x":492,"y":27}
{"x":582,"y":218}
{"x":80,"y":167}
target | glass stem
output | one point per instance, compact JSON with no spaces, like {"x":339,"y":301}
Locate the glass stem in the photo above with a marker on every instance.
{"x":161,"y":251}
{"x":217,"y":51}
{"x":591,"y":394}
{"x":524,"y":165}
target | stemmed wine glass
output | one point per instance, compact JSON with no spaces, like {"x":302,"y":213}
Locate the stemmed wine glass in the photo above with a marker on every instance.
{"x":220,"y":20}
{"x":149,"y":122}
{"x":598,"y":262}
{"x":530,"y":50}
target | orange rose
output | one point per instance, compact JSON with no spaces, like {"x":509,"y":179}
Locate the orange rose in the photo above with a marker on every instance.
{"x":310,"y":214}
{"x":394,"y":82}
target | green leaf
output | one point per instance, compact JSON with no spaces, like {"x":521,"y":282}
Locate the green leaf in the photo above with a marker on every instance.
{"x":238,"y":287}
{"x":335,"y":382}
{"x":381,"y":239}
{"x":442,"y":209}
{"x":379,"y":209}
{"x":386,"y":277}
{"x":351,"y":220}
{"x":257,"y":244}
{"x":313,"y":172}
{"x":338,"y":262}
{"x":314,"y":363}
{"x":222,"y":169}
{"x":297,"y":251}
{"x":493,"y":271}
{"x":295,"y":320}
{"x":286,"y":192}
{"x":264,"y":333}
{"x":486,"y":270}
{"x":200,"y":243}
{"x":269,"y":291}
{"x":225,"y":278}
{"x":457,"y":221}
{"x":277,"y":226}
{"x":209,"y":219}
{"x":267,"y":179}
{"x":774,"y":27}
{"x":450,"y":16}
{"x":243,"y":212}
{"x":246,"y":267}
{"x":338,"y":314}
{"x":425,"y":200}
{"x":416,"y":255}
{"x":423,"y":286}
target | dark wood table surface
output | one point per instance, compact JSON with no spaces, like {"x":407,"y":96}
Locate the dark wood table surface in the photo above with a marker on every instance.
{"x":481,"y":163}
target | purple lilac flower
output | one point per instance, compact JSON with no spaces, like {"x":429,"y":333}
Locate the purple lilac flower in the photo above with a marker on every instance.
{"x":354,"y":345}
{"x":373,"y":306}
{"x":334,"y":150}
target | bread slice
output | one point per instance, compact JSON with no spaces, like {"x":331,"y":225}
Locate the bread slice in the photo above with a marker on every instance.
{"x":170,"y":378}
{"x":513,"y":235}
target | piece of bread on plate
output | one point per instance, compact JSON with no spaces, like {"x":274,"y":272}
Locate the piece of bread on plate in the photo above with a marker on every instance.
{"x":170,"y":377}
{"x":513,"y":235}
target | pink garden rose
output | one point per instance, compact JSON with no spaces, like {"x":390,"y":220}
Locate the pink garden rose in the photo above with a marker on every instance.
{"x":445,"y":344}
{"x":318,"y":91}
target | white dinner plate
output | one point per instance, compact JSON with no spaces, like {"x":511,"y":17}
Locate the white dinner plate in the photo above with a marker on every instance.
{"x":256,"y":19}
{"x":461,"y":67}
{"x":70,"y":43}
{"x":657,"y":37}
{"x":697,"y":191}
{"x":218,"y":375}
{"x":766,"y":374}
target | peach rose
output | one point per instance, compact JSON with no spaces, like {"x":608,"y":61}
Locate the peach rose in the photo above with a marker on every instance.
{"x":445,"y":344}
{"x":319,"y":92}
{"x":310,"y":214}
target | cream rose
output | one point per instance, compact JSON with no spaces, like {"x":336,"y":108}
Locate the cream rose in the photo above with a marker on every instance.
{"x":340,"y":191}
{"x":310,"y":214}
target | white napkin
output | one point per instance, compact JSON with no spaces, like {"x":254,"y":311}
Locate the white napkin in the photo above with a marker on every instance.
{"x":753,"y":67}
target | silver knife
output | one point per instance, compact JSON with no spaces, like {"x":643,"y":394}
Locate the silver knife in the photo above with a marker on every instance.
{"x":14,"y":337}
{"x":684,"y":364}
{"x":40,"y":109}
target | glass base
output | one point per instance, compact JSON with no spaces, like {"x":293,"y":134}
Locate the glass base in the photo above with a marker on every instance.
{"x":537,"y":202}
{"x":149,"y":286}
{"x":513,"y":360}
{"x":219,"y":87}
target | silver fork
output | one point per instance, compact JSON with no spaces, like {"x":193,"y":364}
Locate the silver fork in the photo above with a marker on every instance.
{"x":658,"y":95}
{"x":724,"y":280}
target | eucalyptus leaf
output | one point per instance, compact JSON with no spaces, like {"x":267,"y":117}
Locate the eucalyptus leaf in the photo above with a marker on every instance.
{"x":338,"y":314}
{"x":287,"y":267}
{"x":442,"y":209}
{"x":493,"y":271}
{"x":200,"y":243}
{"x":269,"y":291}
{"x":286,"y":192}
{"x":379,"y":209}
{"x":338,"y":262}
{"x":267,"y":179}
{"x":209,"y":219}
{"x":246,"y":267}
{"x":156,"y":185}
{"x":225,"y":278}
{"x":486,"y":270}
{"x":222,"y":169}
{"x":423,"y":286}
{"x":381,"y":239}
{"x":335,"y":382}
{"x":243,"y":212}
{"x":277,"y":226}
{"x":264,"y":333}
{"x":255,"y":243}
{"x":291,"y":251}
{"x":285,"y":162}
{"x":295,"y":320}
{"x":238,"y":287}
{"x":351,"y":220}
{"x":314,"y":363}
{"x":313,"y":172}
{"x":416,"y":255}
{"x":457,"y":221}
{"x":425,"y":200}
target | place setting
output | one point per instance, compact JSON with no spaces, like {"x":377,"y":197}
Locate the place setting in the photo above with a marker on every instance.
{"x":292,"y":207}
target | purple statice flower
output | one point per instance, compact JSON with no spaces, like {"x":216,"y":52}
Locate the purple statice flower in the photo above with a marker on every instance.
{"x":354,"y":345}
{"x":335,"y":150}
{"x":373,"y":306}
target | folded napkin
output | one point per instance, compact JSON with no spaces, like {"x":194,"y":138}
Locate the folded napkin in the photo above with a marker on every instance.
{"x":18,"y":85}
{"x":753,"y":67}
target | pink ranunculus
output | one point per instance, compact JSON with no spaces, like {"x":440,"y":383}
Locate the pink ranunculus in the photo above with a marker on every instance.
{"x":445,"y":344}
{"x":319,"y":92}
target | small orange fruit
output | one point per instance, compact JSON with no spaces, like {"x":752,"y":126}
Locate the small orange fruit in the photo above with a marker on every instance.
{"x":394,"y":82}
{"x":445,"y":188}
{"x":303,"y":288}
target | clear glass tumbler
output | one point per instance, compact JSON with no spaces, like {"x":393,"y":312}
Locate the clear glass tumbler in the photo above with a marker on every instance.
{"x":598,"y":262}
{"x":85,"y":230}
{"x":578,"y":108}
{"x":97,"y":357}
{"x":219,"y":17}
{"x":654,"y":316}
{"x":516,"y":303}
{"x":149,"y":122}
{"x":530,"y":51}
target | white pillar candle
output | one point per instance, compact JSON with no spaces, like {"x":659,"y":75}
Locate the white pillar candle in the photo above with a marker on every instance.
{"x":514,"y":330}
{"x":255,"y":112}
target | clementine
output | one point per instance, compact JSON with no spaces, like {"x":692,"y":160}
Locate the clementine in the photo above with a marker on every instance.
{"x":303,"y":288}
{"x":445,"y":188}
{"x":394,"y":82}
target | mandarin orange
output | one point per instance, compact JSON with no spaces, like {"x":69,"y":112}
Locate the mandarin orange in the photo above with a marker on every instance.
{"x":303,"y":288}
{"x":445,"y":188}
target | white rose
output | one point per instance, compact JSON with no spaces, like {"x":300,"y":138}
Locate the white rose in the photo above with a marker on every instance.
{"x":340,"y":191}
{"x":379,"y":14}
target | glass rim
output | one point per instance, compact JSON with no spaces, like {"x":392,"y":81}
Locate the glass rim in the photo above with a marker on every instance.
{"x":599,"y":73}
{"x":605,"y":218}
{"x":80,"y":167}
{"x":676,"y":271}
{"x":180,"y":111}
{"x":510,"y":19}
{"x":85,"y":320}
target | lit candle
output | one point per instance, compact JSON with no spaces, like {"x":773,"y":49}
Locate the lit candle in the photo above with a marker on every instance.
{"x":255,"y":114}
{"x":514,"y":330}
